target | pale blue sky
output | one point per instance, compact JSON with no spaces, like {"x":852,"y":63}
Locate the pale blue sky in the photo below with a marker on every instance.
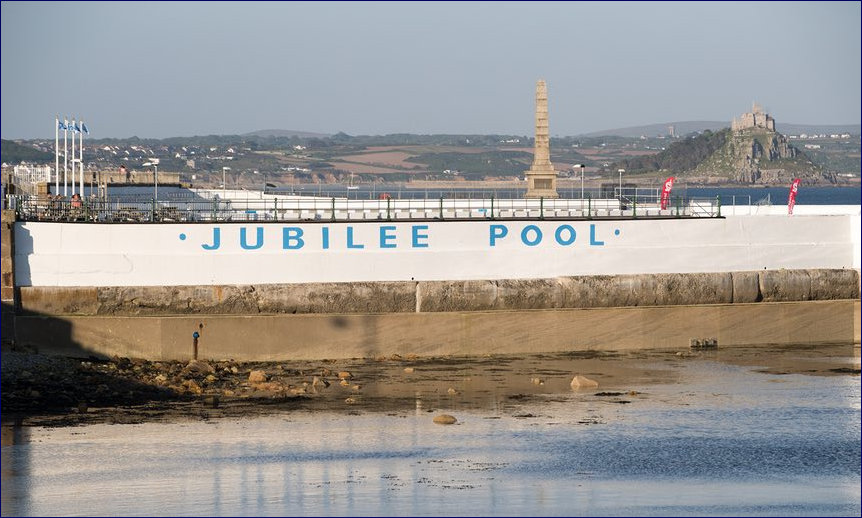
{"x":174,"y":69}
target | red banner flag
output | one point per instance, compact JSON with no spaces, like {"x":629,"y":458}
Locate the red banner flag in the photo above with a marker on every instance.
{"x":791,"y":200}
{"x":665,"y":192}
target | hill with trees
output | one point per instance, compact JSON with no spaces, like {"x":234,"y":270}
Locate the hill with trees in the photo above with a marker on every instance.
{"x":12,"y":152}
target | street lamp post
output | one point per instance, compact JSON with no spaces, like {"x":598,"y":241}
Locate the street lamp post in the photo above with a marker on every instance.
{"x":621,"y":171}
{"x":155,"y":163}
{"x":582,"y":180}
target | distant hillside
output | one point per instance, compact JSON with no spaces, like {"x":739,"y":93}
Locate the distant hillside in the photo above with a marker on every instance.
{"x":653,"y":130}
{"x":754,"y":155}
{"x":285,"y":133}
{"x":681,"y":156}
{"x":817,"y":129}
{"x":686,"y":127}
{"x":12,"y":152}
{"x":760,"y":155}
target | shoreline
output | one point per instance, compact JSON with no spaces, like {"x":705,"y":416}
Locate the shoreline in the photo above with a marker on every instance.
{"x":59,"y":392}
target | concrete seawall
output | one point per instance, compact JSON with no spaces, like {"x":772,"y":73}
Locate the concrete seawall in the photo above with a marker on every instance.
{"x":446,"y":296}
{"x":346,"y":320}
{"x":338,"y":336}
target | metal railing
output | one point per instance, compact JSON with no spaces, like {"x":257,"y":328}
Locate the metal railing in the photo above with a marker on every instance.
{"x":316,"y":208}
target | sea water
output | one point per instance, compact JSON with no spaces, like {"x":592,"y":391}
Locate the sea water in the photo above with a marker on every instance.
{"x":712,"y":439}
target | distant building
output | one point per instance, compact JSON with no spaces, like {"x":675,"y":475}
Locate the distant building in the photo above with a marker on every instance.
{"x":757,"y":118}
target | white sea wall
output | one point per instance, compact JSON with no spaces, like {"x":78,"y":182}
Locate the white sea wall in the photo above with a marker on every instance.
{"x":192,"y":254}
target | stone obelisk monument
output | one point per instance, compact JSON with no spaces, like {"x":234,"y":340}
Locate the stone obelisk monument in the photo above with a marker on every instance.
{"x":542,"y":178}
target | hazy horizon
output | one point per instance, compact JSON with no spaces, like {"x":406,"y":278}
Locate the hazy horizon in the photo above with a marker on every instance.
{"x":174,"y":69}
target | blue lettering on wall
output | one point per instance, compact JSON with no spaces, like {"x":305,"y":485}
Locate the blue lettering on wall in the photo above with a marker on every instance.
{"x":243,"y":241}
{"x":497,"y":232}
{"x":292,"y":238}
{"x":386,"y":236}
{"x":325,"y":237}
{"x":216,"y":240}
{"x":350,"y":243}
{"x":531,"y":242}
{"x":593,"y":240}
{"x":558,"y":235}
{"x":417,"y":236}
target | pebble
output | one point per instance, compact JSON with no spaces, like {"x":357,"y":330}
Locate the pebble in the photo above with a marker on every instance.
{"x":583,"y":382}
{"x":445,"y":419}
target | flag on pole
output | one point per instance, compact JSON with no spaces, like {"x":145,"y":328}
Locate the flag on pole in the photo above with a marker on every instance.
{"x":665,"y":192}
{"x":84,"y":128}
{"x":60,"y":125}
{"x":77,"y":128}
{"x":791,"y":200}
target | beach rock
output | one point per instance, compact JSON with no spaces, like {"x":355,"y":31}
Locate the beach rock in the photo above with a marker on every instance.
{"x":211,"y":401}
{"x":451,"y":391}
{"x":344,"y":375}
{"x":344,"y":383}
{"x":583,"y":382}
{"x":537,"y":381}
{"x":161,"y":379}
{"x":318,"y":383}
{"x":350,"y":401}
{"x":192,"y":386}
{"x":256,"y":377}
{"x":270,"y":386}
{"x":445,"y":419}
{"x":408,"y":370}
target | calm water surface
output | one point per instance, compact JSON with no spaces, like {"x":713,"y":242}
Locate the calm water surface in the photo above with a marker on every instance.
{"x":719,"y":440}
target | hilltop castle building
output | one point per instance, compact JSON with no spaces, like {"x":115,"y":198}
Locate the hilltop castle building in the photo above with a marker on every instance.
{"x":757,"y":118}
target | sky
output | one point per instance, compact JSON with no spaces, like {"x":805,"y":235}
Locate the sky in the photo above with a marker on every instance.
{"x":159,"y":70}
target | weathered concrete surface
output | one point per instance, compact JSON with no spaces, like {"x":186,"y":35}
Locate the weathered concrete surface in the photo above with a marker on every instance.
{"x":746,"y":287}
{"x":316,"y":336}
{"x":51,"y":300}
{"x":456,"y":296}
{"x":7,"y":253}
{"x":785,"y":285}
{"x":447,"y":296}
{"x":837,"y":284}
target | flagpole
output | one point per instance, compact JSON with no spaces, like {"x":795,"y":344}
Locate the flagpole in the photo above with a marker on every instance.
{"x":57,"y":155}
{"x":81,"y":156}
{"x":74,"y":169}
{"x":66,"y":157}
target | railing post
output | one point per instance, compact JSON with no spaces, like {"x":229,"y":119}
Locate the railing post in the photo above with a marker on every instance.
{"x":332,"y":216}
{"x":388,"y":208}
{"x":589,"y":206}
{"x":635,"y":206}
{"x":677,"y":206}
{"x":541,"y":207}
{"x":441,"y":207}
{"x":153,"y":212}
{"x":718,"y":204}
{"x":492,"y":206}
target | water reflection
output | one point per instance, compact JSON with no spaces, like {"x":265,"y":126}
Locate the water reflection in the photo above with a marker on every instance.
{"x":715,"y":438}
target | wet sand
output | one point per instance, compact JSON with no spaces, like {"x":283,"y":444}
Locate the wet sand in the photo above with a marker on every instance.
{"x":52,"y":391}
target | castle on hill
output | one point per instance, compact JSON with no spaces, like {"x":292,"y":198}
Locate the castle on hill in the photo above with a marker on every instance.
{"x":756,"y":118}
